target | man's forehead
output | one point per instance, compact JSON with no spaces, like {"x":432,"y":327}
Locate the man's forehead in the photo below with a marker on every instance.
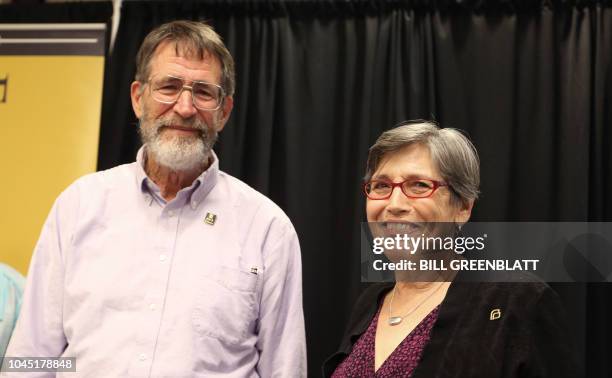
{"x":188,"y":51}
{"x":170,"y":55}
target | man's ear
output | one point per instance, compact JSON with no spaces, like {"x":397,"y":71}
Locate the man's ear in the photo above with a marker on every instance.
{"x":226,"y":110}
{"x":136,"y":94}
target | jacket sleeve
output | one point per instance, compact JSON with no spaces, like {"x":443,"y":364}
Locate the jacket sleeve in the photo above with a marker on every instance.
{"x":551,"y":353}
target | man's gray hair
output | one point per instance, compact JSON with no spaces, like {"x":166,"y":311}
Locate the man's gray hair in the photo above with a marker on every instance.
{"x":192,"y":39}
{"x":451,"y":151}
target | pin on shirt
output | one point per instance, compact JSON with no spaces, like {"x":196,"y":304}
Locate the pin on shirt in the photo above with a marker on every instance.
{"x":210,"y":219}
{"x":495,"y":314}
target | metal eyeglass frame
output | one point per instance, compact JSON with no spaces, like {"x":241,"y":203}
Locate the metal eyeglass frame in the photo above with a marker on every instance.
{"x":190,"y":88}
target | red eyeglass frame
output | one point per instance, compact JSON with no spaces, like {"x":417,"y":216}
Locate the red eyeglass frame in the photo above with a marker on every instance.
{"x":436,"y":185}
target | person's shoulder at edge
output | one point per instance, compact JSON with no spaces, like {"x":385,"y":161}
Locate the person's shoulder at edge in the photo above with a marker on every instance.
{"x":11,"y":275}
{"x":11,"y":290}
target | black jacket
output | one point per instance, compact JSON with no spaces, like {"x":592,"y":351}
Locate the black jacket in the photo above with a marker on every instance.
{"x":529,"y":339}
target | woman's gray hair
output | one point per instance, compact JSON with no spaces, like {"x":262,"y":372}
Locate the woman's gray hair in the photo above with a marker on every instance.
{"x":451,"y":151}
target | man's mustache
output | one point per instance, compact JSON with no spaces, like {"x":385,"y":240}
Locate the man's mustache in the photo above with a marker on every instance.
{"x":193,"y":123}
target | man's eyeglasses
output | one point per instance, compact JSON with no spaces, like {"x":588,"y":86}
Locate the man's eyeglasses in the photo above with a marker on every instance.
{"x":412,"y":188}
{"x":167,"y":89}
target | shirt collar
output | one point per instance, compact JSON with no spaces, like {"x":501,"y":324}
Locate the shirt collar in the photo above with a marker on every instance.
{"x":200,"y":188}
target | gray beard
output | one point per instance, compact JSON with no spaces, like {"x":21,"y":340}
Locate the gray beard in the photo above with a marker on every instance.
{"x":178,"y":153}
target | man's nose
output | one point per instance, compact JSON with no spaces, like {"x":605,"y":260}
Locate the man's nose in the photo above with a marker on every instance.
{"x":184,"y":104}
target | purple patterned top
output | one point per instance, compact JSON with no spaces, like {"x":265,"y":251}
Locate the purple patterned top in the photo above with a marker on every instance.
{"x":400,"y":363}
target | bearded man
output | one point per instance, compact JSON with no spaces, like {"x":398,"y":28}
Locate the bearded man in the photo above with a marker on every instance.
{"x":168,"y":267}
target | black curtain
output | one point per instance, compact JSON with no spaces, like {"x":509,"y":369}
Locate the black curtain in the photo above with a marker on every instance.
{"x":318,"y":81}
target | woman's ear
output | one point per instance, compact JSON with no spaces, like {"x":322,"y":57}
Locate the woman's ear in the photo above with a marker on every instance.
{"x":464,"y":212}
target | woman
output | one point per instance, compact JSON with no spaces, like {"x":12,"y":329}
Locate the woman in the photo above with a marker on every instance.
{"x":419,"y":173}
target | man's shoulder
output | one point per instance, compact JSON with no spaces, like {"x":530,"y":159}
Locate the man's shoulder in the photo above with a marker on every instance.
{"x":102,"y":180}
{"x":246,"y":197}
{"x":110,"y":176}
{"x":90,"y":188}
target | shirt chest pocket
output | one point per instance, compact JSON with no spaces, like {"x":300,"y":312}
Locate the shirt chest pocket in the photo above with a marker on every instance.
{"x":226,"y":306}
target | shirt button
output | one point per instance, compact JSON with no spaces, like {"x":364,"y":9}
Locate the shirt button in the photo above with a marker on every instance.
{"x":170,"y":213}
{"x":194,"y":204}
{"x":162,"y":257}
{"x":142,"y":357}
{"x":152,"y":306}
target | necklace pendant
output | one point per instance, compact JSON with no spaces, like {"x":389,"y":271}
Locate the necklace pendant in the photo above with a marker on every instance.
{"x":395,"y":320}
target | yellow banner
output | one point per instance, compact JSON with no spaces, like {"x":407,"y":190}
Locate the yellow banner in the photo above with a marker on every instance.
{"x":49,"y":126}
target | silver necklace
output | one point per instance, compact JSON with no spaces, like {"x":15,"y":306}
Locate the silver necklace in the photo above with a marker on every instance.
{"x":395,"y":320}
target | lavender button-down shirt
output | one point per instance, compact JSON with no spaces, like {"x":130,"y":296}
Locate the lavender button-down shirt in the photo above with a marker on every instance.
{"x":208,"y":284}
